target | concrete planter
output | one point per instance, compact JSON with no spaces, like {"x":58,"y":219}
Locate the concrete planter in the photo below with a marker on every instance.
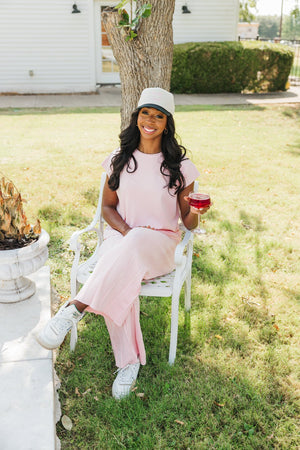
{"x":16,"y":264}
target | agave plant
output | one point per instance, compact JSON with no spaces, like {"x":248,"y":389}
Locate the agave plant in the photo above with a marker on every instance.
{"x":15,"y":231}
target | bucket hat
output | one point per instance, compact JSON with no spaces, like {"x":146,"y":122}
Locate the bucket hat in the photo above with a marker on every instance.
{"x":157,"y":98}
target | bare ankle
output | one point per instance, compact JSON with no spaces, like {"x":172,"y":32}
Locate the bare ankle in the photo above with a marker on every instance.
{"x":79,"y":306}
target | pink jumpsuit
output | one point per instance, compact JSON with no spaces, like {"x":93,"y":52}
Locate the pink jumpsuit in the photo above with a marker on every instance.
{"x":145,"y":252}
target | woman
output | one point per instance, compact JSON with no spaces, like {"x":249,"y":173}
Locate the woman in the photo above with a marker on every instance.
{"x":148,"y":180}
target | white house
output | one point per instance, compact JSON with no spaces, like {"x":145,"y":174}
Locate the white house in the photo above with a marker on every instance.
{"x":248,"y":30}
{"x":47,"y":47}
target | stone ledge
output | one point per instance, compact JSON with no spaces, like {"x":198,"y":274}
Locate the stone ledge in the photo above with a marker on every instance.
{"x":28,"y":407}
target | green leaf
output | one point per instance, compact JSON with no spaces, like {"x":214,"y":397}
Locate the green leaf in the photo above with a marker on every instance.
{"x":146,"y":14}
{"x":147,"y":11}
{"x":122,"y":23}
{"x":134,"y":22}
{"x":121,"y":4}
{"x":125,"y":16}
{"x":131,"y":36}
{"x":144,"y":10}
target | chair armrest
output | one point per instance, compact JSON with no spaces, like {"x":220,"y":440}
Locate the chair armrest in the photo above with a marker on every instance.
{"x":74,"y":242}
{"x":181,"y":247}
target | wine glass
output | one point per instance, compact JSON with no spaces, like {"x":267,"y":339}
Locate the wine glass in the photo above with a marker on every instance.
{"x":198,"y":201}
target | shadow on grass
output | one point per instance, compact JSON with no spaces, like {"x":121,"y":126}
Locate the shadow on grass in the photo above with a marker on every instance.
{"x":219,"y":267}
{"x":294,"y":149}
{"x":292,"y":293}
{"x":193,"y":404}
{"x":56,"y":247}
{"x":292,"y":112}
{"x":222,"y":266}
{"x":200,"y":402}
{"x":250,"y":221}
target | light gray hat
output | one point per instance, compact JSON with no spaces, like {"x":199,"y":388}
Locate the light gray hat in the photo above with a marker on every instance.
{"x":159,"y":99}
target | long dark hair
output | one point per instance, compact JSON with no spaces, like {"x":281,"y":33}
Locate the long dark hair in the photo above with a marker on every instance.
{"x":173,"y":154}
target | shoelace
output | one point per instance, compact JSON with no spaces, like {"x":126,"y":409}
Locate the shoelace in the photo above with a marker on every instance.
{"x":59,"y":325}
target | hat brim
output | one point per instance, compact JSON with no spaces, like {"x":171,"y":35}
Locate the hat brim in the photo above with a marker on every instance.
{"x":152,"y":105}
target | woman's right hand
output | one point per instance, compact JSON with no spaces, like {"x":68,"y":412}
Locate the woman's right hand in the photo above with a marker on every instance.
{"x":126,"y":231}
{"x":109,"y":210}
{"x":197,"y":210}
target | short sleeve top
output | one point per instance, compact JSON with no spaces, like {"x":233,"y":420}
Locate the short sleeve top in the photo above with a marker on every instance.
{"x":144,"y":197}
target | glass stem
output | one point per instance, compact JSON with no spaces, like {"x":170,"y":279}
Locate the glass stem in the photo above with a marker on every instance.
{"x":199,"y":221}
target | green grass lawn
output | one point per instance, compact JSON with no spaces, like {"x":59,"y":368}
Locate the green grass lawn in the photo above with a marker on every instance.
{"x":235,"y":382}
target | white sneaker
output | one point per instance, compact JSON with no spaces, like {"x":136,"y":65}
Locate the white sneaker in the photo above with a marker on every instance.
{"x":55,"y":331}
{"x":125,"y":380}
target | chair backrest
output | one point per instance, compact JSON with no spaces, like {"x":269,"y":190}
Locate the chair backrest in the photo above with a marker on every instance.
{"x":99,"y":206}
{"x":100,"y":217}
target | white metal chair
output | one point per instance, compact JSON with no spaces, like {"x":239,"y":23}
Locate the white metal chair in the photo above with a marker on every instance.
{"x":169,"y":285}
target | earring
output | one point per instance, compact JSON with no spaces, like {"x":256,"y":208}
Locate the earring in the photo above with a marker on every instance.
{"x":166,"y":131}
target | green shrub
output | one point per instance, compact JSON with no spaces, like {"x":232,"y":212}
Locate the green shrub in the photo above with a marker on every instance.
{"x":212,"y":67}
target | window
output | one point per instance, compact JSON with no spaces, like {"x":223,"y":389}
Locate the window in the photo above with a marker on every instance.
{"x":109,"y":64}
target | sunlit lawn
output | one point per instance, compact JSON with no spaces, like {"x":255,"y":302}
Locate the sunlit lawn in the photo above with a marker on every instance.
{"x":235,"y":380}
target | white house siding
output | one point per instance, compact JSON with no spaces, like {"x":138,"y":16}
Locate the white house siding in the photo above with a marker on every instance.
{"x":210,"y":20}
{"x":44,"y":48}
{"x":248,"y":30}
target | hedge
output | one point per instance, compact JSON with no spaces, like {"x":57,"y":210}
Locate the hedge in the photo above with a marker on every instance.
{"x":214,"y":67}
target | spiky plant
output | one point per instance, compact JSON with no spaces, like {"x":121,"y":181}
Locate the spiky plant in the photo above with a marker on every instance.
{"x":14,"y":227}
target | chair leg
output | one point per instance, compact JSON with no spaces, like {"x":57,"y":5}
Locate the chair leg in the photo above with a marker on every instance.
{"x":74,"y":288}
{"x":174,"y":326}
{"x":187,"y":292}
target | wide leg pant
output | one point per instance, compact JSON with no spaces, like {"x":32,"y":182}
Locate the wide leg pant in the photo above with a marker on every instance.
{"x":113,"y":288}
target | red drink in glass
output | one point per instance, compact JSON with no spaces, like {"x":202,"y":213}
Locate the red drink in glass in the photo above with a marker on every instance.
{"x":198,"y":200}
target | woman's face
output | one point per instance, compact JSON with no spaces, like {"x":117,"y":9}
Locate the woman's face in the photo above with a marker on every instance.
{"x":151,"y":122}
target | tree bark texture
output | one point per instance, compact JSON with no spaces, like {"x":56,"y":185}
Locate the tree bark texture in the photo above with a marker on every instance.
{"x":145,"y":61}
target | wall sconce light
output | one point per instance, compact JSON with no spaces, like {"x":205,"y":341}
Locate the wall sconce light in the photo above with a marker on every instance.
{"x":185,"y":9}
{"x":75,"y":10}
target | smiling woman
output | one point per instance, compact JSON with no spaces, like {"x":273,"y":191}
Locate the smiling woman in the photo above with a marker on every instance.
{"x":148,"y":180}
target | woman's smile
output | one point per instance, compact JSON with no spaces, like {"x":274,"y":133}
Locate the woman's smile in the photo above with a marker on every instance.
{"x":149,"y":130}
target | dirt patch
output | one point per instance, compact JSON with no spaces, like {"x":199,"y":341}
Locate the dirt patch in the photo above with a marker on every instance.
{"x":12,"y":244}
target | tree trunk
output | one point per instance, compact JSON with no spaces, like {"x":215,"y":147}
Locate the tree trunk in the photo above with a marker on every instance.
{"x":145,"y":61}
